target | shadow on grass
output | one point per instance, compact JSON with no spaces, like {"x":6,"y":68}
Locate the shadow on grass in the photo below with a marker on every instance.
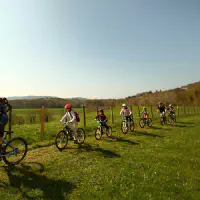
{"x":120,"y":139}
{"x":106,"y":153}
{"x":29,"y":181}
{"x":148,"y":134}
{"x":159,"y":128}
{"x":185,"y":122}
{"x":181,"y":126}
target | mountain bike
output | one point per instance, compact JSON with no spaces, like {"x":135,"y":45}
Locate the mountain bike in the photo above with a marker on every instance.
{"x":127,"y":125}
{"x":171,"y":117}
{"x":13,"y":151}
{"x":101,"y":130}
{"x":163,"y":119}
{"x":62,"y":137}
{"x":145,"y":120}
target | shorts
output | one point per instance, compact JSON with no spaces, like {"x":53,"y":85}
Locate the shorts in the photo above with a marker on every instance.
{"x":73,"y":126}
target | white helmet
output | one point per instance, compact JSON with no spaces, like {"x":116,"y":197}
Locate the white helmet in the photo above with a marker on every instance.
{"x":170,"y":105}
{"x":124,"y":105}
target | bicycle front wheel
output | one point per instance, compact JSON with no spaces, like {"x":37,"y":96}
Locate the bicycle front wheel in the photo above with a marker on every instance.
{"x":124,"y":127}
{"x":81,"y":136}
{"x":61,"y":140}
{"x":142,"y":124}
{"x":15,"y":151}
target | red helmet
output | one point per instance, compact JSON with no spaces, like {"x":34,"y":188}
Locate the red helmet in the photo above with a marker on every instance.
{"x":68,"y":106}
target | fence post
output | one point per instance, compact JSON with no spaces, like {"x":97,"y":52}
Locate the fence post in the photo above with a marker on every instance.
{"x":139,"y":111}
{"x":184,"y":110}
{"x":178,"y":110}
{"x":84,"y":116}
{"x":151,"y":111}
{"x":42,"y":121}
{"x":112,"y":116}
{"x":10,"y":122}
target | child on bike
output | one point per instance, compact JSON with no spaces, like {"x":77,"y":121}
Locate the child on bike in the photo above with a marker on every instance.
{"x":101,"y":117}
{"x":144,"y":112}
{"x":171,"y":110}
{"x":125,"y":112}
{"x":4,"y":108}
{"x":71,"y":121}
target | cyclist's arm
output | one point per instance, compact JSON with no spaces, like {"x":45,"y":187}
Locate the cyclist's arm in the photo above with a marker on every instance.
{"x":72,"y":114}
{"x":63,"y":119}
{"x":122,"y":112}
{"x":130,"y":112}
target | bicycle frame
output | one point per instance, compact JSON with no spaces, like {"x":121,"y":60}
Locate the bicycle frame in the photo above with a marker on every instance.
{"x":4,"y":142}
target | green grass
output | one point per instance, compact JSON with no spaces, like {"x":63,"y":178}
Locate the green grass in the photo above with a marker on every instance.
{"x":159,"y":163}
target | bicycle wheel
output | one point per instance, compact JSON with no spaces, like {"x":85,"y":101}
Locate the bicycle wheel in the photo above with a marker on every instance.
{"x":15,"y":151}
{"x":81,"y":136}
{"x":109,"y":131}
{"x":98,"y":134}
{"x":142,"y":123}
{"x":132,"y":126}
{"x":149,"y":122}
{"x":124,"y":127}
{"x":61,"y":140}
{"x":162,"y":121}
{"x":170,"y":119}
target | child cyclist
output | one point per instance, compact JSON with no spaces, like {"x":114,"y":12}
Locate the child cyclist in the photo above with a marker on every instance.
{"x":4,"y":108}
{"x":71,"y":121}
{"x":171,"y":110}
{"x":144,"y":112}
{"x":125,"y":112}
{"x":101,"y":117}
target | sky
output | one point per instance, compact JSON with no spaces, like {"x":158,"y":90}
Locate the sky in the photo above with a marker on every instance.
{"x":98,"y":48}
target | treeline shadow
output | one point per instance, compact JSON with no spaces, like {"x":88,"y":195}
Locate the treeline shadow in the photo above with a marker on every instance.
{"x":28,"y":177}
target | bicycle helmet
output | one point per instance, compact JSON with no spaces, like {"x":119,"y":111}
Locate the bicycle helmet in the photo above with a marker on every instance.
{"x":144,"y":107}
{"x":170,"y":105}
{"x":100,"y":110}
{"x":124,"y":105}
{"x":68,"y":106}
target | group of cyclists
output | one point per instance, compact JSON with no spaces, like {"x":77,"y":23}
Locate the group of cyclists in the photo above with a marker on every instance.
{"x":70,"y":117}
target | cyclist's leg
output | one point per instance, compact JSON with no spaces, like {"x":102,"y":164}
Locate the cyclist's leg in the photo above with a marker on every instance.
{"x":74,"y":127}
{"x":2,"y":127}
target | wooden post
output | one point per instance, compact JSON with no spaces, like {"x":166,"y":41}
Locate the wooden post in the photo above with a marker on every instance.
{"x":151,"y":111}
{"x":84,"y":116}
{"x":42,"y":121}
{"x":184,"y":110}
{"x":112,"y":116}
{"x":178,"y":110}
{"x":139,"y":111}
{"x":10,"y":123}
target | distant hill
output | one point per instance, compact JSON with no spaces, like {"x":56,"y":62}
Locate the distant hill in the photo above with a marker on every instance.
{"x":29,"y":97}
{"x":41,"y":97}
{"x":186,"y":95}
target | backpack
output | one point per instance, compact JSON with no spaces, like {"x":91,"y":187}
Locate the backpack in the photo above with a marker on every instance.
{"x":77,"y":116}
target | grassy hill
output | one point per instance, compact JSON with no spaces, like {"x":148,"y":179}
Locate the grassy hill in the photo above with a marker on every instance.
{"x":187,"y":95}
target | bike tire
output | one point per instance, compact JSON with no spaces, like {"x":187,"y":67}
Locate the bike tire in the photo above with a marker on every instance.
{"x":61,"y":135}
{"x":132,"y":126}
{"x":15,"y":150}
{"x":109,"y":131}
{"x":149,"y":122}
{"x":123,"y":128}
{"x":98,"y":134}
{"x":82,"y":133}
{"x":141,"y":123}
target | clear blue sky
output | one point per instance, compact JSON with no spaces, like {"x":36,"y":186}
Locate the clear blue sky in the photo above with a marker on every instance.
{"x":98,"y":48}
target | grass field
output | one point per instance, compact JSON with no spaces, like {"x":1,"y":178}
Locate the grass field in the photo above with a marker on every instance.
{"x":151,"y":163}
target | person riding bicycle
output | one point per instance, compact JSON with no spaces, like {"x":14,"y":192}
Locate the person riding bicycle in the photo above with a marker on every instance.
{"x":101,"y":117}
{"x":144,"y":112}
{"x":125,"y":112}
{"x":4,"y":108}
{"x":71,"y":121}
{"x":161,"y":107}
{"x":171,"y":110}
